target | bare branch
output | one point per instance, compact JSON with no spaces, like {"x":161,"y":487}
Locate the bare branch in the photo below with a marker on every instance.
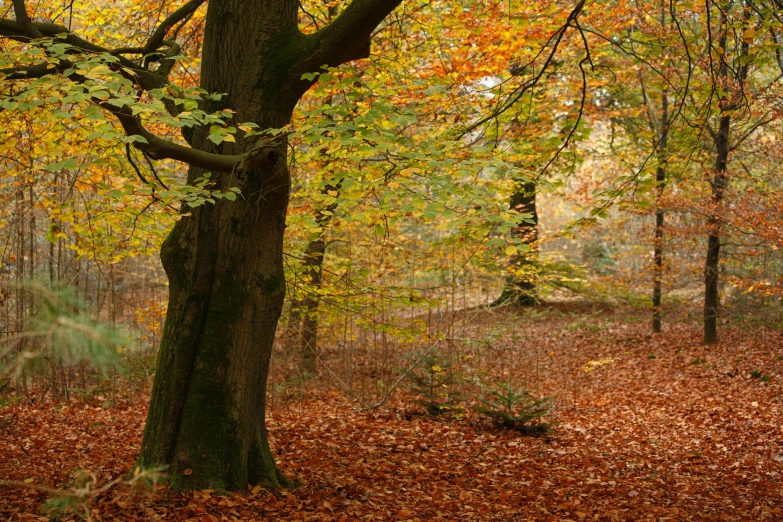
{"x":520,"y":91}
{"x":158,"y":37}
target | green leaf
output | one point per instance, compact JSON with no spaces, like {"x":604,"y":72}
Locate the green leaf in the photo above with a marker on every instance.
{"x":61,"y":165}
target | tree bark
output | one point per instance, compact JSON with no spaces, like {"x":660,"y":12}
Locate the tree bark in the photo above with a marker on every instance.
{"x":303,"y":317}
{"x":521,"y":288}
{"x":711,"y":265}
{"x":206,"y":420}
{"x":720,"y":180}
{"x":314,"y":263}
{"x":660,"y":179}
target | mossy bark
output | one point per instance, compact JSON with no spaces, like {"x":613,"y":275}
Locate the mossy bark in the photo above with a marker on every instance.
{"x":206,"y":421}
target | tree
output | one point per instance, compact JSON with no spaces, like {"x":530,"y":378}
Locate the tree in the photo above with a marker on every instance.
{"x":521,"y":287}
{"x":224,"y":261}
{"x":730,"y":83}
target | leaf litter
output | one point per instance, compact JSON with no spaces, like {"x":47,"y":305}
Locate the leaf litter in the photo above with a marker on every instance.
{"x":647,"y":428}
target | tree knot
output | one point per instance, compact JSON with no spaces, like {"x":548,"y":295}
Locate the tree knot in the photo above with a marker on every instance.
{"x":264,"y":153}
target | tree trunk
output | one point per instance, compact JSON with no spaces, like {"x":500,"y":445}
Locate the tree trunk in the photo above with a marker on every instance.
{"x":720,"y":180}
{"x":521,"y":288}
{"x":660,"y":179}
{"x":206,"y":420}
{"x":711,"y":266}
{"x":224,"y":262}
{"x":314,"y":263}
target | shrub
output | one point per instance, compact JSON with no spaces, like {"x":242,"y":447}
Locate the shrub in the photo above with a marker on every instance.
{"x":434,"y":381}
{"x":514,"y":409}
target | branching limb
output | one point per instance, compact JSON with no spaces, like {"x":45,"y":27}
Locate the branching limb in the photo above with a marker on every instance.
{"x":158,"y":37}
{"x":25,"y":30}
{"x":347,"y":38}
{"x":520,"y":91}
{"x":20,"y":11}
{"x":264,"y":152}
{"x":133,"y":164}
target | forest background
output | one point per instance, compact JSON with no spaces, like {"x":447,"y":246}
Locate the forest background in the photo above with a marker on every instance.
{"x":484,"y":158}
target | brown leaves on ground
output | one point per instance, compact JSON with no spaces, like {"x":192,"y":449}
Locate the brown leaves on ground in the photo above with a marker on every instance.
{"x":663,"y":429}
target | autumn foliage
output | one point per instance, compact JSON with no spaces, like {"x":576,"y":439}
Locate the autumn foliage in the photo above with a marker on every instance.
{"x":647,"y":136}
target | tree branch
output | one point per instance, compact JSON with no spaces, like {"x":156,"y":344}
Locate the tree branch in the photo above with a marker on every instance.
{"x":147,"y":80}
{"x":520,"y":91}
{"x":347,"y":38}
{"x":264,"y":152}
{"x":15,"y":30}
{"x":158,"y":37}
{"x":20,"y":11}
{"x":25,"y":30}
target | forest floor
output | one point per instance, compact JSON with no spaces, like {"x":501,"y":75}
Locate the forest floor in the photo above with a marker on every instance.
{"x":655,"y":428}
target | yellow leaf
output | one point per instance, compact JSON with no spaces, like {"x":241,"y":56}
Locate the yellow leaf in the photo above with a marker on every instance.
{"x":511,"y":250}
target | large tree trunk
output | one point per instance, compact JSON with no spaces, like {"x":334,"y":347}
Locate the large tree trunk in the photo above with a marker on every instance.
{"x":226,"y":284}
{"x":206,"y":420}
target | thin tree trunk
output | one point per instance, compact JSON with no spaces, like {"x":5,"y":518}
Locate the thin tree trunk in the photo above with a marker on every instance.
{"x":720,"y":180}
{"x":314,"y":262}
{"x":711,"y":266}
{"x":303,"y":317}
{"x":309,"y":347}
